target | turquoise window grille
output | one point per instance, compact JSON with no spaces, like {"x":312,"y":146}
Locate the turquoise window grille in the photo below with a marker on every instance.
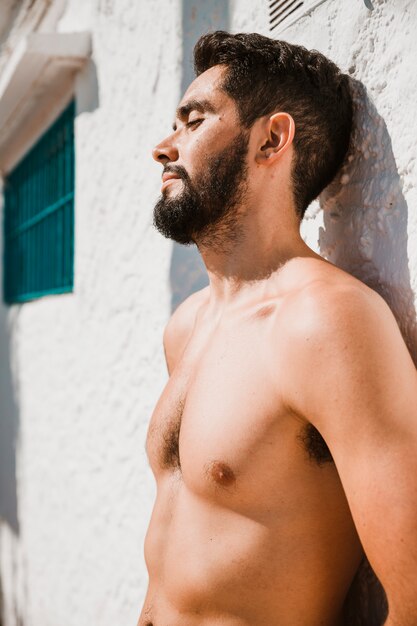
{"x":39,"y":216}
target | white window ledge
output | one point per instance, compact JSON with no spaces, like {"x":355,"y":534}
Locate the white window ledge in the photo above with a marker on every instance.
{"x":34,"y":85}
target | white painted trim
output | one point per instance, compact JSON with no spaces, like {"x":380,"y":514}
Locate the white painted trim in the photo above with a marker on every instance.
{"x":42,"y":65}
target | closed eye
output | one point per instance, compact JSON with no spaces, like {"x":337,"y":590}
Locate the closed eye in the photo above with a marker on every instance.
{"x":194,"y":122}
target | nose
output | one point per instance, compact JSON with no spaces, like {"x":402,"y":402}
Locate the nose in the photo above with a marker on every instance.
{"x":165,"y":152}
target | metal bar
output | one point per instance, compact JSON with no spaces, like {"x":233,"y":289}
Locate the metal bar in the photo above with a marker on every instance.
{"x":285,"y":12}
{"x":41,"y":215}
{"x":274,"y":8}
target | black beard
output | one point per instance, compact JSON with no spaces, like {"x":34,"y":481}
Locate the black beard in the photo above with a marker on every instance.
{"x":206,"y":212}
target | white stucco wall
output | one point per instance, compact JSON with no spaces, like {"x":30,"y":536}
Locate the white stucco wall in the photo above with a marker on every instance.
{"x":80,"y":373}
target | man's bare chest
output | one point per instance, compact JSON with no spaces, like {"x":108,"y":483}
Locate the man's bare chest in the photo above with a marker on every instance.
{"x":221,"y":422}
{"x":216,"y":393}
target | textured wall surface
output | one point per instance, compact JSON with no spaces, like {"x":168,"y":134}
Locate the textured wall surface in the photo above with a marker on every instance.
{"x":80,"y":373}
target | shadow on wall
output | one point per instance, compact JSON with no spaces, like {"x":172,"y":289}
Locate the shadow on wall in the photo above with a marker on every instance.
{"x":187,"y":271}
{"x":9,"y":413}
{"x":9,"y":427}
{"x":87,"y":88}
{"x":365,"y":217}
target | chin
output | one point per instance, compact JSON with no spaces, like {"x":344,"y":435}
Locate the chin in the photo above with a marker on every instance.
{"x":173,"y":188}
{"x":169,"y":192}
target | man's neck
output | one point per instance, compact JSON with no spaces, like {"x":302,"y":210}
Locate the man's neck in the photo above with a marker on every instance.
{"x":260,"y":252}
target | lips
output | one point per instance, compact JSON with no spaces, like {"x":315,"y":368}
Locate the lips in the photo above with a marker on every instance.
{"x":168,"y":176}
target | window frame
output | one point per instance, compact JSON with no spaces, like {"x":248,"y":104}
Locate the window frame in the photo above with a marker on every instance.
{"x":40,"y":262}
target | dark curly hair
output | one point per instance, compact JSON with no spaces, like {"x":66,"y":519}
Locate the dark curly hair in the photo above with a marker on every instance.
{"x":265,"y":75}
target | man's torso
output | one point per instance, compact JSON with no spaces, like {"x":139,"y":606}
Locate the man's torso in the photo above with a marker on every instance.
{"x":251,"y":526}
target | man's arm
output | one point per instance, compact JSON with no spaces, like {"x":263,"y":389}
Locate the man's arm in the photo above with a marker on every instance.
{"x":350,"y":374}
{"x":180,"y":327}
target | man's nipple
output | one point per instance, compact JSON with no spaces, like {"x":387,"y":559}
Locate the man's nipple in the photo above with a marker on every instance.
{"x":221,"y":473}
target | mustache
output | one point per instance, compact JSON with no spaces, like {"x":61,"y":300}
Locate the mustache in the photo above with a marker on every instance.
{"x":179,"y":170}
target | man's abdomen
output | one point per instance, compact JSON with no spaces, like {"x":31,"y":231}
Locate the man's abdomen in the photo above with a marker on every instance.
{"x":209,"y":564}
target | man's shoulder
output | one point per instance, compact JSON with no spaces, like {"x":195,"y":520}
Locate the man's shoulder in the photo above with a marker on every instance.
{"x":331,"y":304}
{"x":335,"y":332}
{"x":180,"y":326}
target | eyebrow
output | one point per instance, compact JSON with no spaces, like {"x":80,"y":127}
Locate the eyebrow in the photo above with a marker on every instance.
{"x":183,"y":111}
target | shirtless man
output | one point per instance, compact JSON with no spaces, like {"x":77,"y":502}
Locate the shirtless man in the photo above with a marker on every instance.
{"x":284,"y":444}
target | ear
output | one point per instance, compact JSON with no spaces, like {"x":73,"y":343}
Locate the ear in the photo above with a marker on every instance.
{"x":277,"y":136}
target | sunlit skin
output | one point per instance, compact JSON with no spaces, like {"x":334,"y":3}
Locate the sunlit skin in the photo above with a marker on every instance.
{"x":248,"y":529}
